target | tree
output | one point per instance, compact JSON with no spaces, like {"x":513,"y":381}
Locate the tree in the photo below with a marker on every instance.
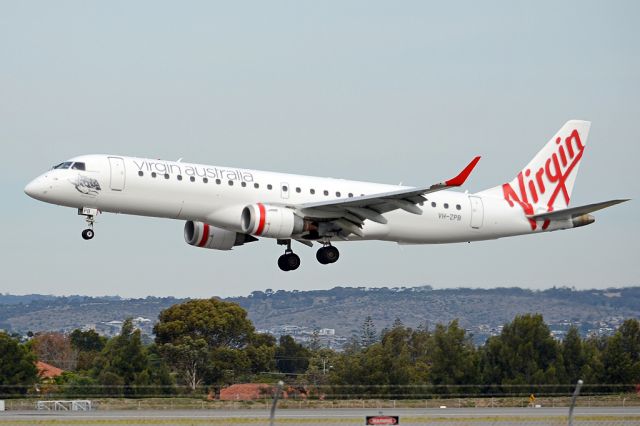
{"x":86,"y":341}
{"x":123,"y":366}
{"x":17,"y":366}
{"x":291,"y":357}
{"x":524,"y":353}
{"x":55,"y":349}
{"x":454,"y":360}
{"x":194,"y":335}
{"x":368,"y":334}
{"x":621,"y":356}
{"x":88,"y":345}
{"x":573,"y":355}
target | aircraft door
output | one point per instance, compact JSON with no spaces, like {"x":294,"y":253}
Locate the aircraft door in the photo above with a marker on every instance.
{"x":116,"y":164}
{"x":477,"y":212}
{"x":284,"y":190}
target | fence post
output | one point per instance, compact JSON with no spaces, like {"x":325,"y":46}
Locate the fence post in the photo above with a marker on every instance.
{"x":573,"y":401}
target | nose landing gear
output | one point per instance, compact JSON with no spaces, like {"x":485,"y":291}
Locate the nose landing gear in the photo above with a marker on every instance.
{"x":90,"y":216}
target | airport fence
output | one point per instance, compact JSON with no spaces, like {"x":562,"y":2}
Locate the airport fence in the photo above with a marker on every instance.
{"x":305,"y":396}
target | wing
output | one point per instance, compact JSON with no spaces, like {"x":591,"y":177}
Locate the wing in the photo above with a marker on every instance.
{"x":348,"y":215}
{"x":572,"y":212}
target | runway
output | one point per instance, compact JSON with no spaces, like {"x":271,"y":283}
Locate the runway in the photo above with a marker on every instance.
{"x":451,"y":416}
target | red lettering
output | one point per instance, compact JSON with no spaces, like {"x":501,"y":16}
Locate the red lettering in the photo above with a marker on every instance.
{"x":556,"y":170}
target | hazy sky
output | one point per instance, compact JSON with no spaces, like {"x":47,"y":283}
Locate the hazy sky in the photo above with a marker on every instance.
{"x":382,"y":91}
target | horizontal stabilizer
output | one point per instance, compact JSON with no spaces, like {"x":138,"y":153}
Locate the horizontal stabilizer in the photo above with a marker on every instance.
{"x":575,"y":211}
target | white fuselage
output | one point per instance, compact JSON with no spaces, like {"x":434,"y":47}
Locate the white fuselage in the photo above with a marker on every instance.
{"x":217,"y":195}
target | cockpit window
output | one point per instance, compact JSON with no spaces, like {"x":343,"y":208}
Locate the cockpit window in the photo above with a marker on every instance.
{"x":78,"y":166}
{"x":64,"y":165}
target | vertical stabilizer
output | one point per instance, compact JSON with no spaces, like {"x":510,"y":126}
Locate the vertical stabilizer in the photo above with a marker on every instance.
{"x":546,"y":183}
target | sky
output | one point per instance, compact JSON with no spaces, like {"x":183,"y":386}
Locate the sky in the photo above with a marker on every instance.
{"x":381,"y":91}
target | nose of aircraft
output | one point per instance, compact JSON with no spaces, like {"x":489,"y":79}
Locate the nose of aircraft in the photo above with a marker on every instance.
{"x":36,"y":188}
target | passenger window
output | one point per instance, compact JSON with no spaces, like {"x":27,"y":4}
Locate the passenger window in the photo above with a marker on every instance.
{"x":326,"y":192}
{"x":205,"y":180}
{"x":153,"y":174}
{"x":350,"y":195}
{"x":298,"y":190}
{"x":446,"y":206}
{"x":337,"y":193}
{"x":166,"y":175}
{"x":78,"y":166}
{"x":230,"y":183}
{"x":192,"y":179}
{"x":284,"y":188}
{"x":269,"y":186}
{"x":433,"y":204}
{"x":458,"y":207}
{"x":218,"y":181}
{"x":140,"y":173}
{"x":256,"y":185}
{"x":312,"y":191}
{"x":179,"y":177}
{"x":243,"y":184}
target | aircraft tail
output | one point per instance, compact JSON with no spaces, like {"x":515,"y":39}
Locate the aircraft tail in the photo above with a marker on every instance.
{"x":546,"y":183}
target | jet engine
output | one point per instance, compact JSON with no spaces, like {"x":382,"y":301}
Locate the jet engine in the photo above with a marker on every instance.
{"x":271,"y":221}
{"x":204,"y":235}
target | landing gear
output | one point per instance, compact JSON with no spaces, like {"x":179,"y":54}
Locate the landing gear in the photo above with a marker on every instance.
{"x":289,"y":261}
{"x":327,"y":254}
{"x":90,"y":216}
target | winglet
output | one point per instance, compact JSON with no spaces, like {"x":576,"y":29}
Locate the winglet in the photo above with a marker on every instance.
{"x":462,"y":177}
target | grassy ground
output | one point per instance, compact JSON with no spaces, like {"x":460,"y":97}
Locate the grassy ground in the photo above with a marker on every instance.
{"x":620,"y":400}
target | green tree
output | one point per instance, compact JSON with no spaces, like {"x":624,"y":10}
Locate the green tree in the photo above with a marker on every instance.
{"x":454,"y":360}
{"x":86,"y":341}
{"x":261,"y":352}
{"x":194,"y":337}
{"x":291,"y":357}
{"x":574,"y":355}
{"x":17,"y":366}
{"x":124,"y":366}
{"x":621,"y":356}
{"x":524,"y":353}
{"x":368,"y":334}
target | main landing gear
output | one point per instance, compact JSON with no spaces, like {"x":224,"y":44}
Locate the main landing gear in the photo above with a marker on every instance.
{"x":327,"y":254}
{"x":290,"y":261}
{"x":90,"y":216}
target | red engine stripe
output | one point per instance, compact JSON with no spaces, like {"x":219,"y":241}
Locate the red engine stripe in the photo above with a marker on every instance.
{"x":205,"y":236}
{"x":263,"y":217}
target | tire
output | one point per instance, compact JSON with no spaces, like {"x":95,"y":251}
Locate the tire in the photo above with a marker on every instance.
{"x":87,"y":234}
{"x":282,"y":263}
{"x":328,"y":254}
{"x":321,"y":256}
{"x":292,"y":261}
{"x":332,"y":254}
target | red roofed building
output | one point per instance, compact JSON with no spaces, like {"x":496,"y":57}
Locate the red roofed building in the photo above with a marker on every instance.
{"x":47,"y":371}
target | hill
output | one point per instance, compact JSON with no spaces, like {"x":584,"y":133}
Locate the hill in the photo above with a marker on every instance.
{"x":481,"y":311}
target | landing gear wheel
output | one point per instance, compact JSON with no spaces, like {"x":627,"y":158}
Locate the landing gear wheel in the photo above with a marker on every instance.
{"x":87,"y":234}
{"x":289,"y":262}
{"x":327,"y":254}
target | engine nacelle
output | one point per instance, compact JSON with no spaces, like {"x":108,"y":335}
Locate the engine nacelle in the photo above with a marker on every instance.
{"x":271,"y":221}
{"x":207,"y":236}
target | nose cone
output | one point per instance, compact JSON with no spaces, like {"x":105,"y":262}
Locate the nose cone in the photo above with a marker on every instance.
{"x":37,"y":188}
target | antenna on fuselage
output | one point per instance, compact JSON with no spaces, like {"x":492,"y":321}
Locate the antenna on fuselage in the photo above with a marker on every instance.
{"x":179,"y":160}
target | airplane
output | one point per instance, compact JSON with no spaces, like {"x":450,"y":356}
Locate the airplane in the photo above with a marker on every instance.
{"x":226,"y":207}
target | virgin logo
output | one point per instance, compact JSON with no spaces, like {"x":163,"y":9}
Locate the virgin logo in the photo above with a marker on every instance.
{"x":549,"y":178}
